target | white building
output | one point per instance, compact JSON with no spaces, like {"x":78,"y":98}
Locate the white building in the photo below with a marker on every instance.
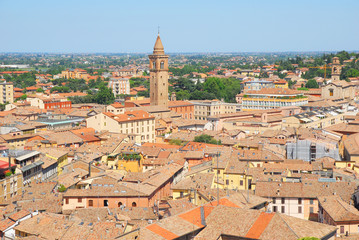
{"x":119,"y":86}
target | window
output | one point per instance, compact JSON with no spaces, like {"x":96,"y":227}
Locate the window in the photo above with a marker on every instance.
{"x":299,"y":209}
{"x":241,"y":182}
{"x":227,"y":182}
{"x":331,"y":92}
{"x":274,"y":200}
{"x":134,"y":204}
{"x":90,"y":203}
{"x":311,"y":201}
{"x":274,"y":208}
{"x":311,"y":210}
{"x":283,"y":209}
{"x":299,"y":201}
{"x":162,"y":65}
{"x":341,"y":229}
{"x":283,"y":200}
{"x":79,"y":200}
{"x":67,"y":201}
{"x":105,"y":203}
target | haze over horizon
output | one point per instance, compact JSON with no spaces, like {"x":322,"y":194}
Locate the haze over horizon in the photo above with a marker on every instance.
{"x":185,"y":27}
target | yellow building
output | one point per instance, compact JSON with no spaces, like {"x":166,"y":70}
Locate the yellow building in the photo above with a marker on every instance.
{"x":60,"y":156}
{"x":11,"y":185}
{"x":6,"y":93}
{"x":126,"y":161}
{"x":281,"y":83}
{"x":75,"y":74}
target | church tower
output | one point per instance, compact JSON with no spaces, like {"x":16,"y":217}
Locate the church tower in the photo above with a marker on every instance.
{"x":336,"y":69}
{"x":158,"y":75}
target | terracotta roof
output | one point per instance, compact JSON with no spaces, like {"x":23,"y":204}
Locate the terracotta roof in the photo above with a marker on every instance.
{"x":18,"y":215}
{"x":338,"y":210}
{"x":305,"y":189}
{"x":129,"y":116}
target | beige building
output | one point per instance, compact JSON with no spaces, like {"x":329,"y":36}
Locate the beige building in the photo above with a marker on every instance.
{"x":115,"y":108}
{"x":210,"y":108}
{"x":338,"y":90}
{"x":271,"y":98}
{"x":6,"y":93}
{"x":159,"y":75}
{"x":334,"y":211}
{"x":134,"y":123}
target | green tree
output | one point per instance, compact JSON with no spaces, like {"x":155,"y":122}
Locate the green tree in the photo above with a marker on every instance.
{"x":205,"y":138}
{"x":311,"y":84}
{"x":40,"y":90}
{"x":105,"y":96}
{"x":62,"y":188}
{"x":175,"y":142}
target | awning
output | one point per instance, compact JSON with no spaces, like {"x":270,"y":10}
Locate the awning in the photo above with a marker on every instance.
{"x":305,"y":120}
{"x":31,"y":166}
{"x":28,"y":155}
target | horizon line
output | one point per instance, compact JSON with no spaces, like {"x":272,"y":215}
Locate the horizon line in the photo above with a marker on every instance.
{"x":214,"y":52}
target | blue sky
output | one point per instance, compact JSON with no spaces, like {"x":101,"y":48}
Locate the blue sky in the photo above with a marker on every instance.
{"x":116,"y":26}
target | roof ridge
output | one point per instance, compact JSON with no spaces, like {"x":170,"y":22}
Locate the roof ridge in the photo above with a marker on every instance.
{"x":288,"y":225}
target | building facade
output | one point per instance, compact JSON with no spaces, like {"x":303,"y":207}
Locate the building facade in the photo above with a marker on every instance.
{"x":210,"y":108}
{"x":271,"y":98}
{"x":119,"y":86}
{"x":137,"y":122}
{"x":6,"y":93}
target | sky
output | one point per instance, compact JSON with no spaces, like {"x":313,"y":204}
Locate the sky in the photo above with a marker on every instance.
{"x":118,"y":26}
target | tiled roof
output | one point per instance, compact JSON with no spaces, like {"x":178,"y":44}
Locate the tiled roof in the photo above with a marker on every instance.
{"x":305,"y":189}
{"x":338,"y":210}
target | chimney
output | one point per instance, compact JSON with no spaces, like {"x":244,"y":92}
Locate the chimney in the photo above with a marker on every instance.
{"x":90,"y":168}
{"x":9,"y":158}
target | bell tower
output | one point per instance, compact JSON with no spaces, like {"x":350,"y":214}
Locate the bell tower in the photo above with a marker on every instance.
{"x":336,"y":69}
{"x":158,"y":75}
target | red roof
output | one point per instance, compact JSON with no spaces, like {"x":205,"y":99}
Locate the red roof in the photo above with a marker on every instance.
{"x":31,"y":88}
{"x":5,"y":165}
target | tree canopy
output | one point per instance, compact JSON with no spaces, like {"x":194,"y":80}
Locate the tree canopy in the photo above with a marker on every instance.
{"x":205,"y":138}
{"x":311,"y":84}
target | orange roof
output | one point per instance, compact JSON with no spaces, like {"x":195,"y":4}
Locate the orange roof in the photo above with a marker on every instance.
{"x":179,"y":103}
{"x":161,"y":231}
{"x":84,"y":131}
{"x":198,"y":146}
{"x":130,"y":116}
{"x":160,"y":145}
{"x":194,"y":216}
{"x":117,"y":105}
{"x":224,"y":202}
{"x":31,"y":88}
{"x":259,"y":225}
{"x":274,"y":91}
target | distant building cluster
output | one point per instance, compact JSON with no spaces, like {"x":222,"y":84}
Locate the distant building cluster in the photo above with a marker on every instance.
{"x":279,"y":162}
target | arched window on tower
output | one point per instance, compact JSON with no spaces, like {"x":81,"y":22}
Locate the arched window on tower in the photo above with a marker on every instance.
{"x":154,"y":64}
{"x":162,"y":65}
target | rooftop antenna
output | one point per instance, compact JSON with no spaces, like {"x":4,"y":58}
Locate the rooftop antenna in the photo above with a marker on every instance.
{"x":158,"y":30}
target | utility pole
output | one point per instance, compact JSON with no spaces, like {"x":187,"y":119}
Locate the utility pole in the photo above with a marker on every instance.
{"x":247,"y":182}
